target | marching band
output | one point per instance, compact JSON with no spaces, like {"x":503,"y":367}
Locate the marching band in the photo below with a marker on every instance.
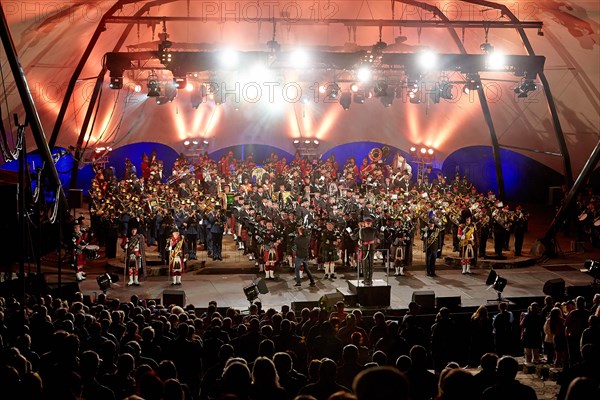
{"x":263,"y":205}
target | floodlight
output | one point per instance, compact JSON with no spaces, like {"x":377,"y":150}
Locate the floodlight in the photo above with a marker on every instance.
{"x":359,"y":97}
{"x":229,"y":58}
{"x":137,"y":88}
{"x":180,"y":82}
{"x":299,"y":58}
{"x":116,"y":82}
{"x":427,"y":60}
{"x":364,"y":74}
{"x":495,"y":60}
{"x":153,"y":86}
{"x":354,"y":87}
{"x":346,"y":100}
{"x":333,"y":91}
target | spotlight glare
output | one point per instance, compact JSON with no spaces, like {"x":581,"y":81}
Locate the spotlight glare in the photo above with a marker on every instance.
{"x":189,"y":87}
{"x":229,"y":58}
{"x":186,"y":143}
{"x":316,"y":142}
{"x":423,"y":150}
{"x":307,"y":141}
{"x":413,"y":149}
{"x":205,"y":142}
{"x":322,"y":89}
{"x":354,"y":87}
{"x":195,"y":142}
{"x":430,"y":152}
{"x":495,"y":60}
{"x":364,"y":74}
{"x":299,"y":58}
{"x":137,"y":88}
{"x":427,"y":60}
{"x":296,"y":141}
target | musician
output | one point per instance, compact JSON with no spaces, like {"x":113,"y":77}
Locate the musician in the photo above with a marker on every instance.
{"x":270,"y":243}
{"x":217,"y":221}
{"x":135,"y":256}
{"x":367,"y":236}
{"x":329,"y":241}
{"x":398,"y":247}
{"x":78,"y":243}
{"x":177,"y":251}
{"x":499,"y":228}
{"x":430,"y":244}
{"x":466,"y":235}
{"x":191,"y":227}
{"x":520,"y":227}
{"x":483,"y":228}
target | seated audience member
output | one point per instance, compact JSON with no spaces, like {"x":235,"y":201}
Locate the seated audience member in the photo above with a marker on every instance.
{"x":423,"y":384}
{"x":458,"y":384}
{"x":487,"y":376}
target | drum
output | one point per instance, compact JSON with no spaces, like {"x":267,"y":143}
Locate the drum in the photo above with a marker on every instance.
{"x":91,"y":251}
{"x":597,"y":222}
{"x":583,"y":216}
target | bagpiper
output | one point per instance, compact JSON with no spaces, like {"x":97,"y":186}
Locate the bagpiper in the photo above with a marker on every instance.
{"x":135,"y":256}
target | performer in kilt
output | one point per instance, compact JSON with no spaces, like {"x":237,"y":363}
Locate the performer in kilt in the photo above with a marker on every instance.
{"x":467,"y":237}
{"x":177,"y":251}
{"x":135,"y":256}
{"x":329,"y":255}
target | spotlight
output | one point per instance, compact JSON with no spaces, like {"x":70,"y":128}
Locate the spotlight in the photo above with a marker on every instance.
{"x":296,"y":143}
{"x":316,"y":142}
{"x":525,"y":87}
{"x":413,"y":149}
{"x":593,"y":268}
{"x":195,"y":142}
{"x":354,"y":87}
{"x":153,"y":86}
{"x":251,"y":292}
{"x":307,"y":141}
{"x":486,"y":48}
{"x":427,"y":60}
{"x":446,"y":90}
{"x":229,"y":59}
{"x":299,"y":58}
{"x":137,"y":88}
{"x":322,"y":89}
{"x":333,"y":91}
{"x":495,"y":60}
{"x":430,"y":152}
{"x":472,"y":84}
{"x":106,"y":280}
{"x":346,"y":100}
{"x":116,"y":82}
{"x":359,"y":97}
{"x":423,"y":150}
{"x":496,"y":282}
{"x":189,"y":87}
{"x":364,"y":74}
{"x":304,"y":100}
{"x":414,"y":96}
{"x":180,"y":82}
{"x":186,"y":143}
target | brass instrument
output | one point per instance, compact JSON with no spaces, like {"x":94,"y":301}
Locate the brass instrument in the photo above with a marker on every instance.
{"x":431,"y":239}
{"x":375,"y":155}
{"x":468,"y":236}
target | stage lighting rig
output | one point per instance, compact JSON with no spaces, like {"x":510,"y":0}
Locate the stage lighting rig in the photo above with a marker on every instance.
{"x":359,"y":97}
{"x":307,"y":147}
{"x":180,"y":82}
{"x":473,"y":83}
{"x":333,"y":91}
{"x":496,"y":282}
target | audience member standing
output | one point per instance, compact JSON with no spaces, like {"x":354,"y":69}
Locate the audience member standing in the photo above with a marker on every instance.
{"x":532,"y":326}
{"x":575,"y":324}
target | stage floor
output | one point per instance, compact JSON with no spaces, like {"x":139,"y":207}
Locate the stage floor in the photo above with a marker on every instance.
{"x":224,"y":281}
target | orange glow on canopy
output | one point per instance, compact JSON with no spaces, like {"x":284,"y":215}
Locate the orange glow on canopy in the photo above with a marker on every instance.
{"x":330,"y":117}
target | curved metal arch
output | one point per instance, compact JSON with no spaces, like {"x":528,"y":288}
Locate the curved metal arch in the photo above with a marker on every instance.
{"x":560,"y":137}
{"x":485,"y":109}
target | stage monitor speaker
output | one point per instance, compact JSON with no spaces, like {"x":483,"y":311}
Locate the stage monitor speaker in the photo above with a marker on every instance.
{"x":173,"y":296}
{"x":261,"y":285}
{"x":450,"y":302}
{"x":555,"y":288}
{"x":424,"y":298}
{"x":298,"y":306}
{"x":328,"y":300}
{"x":75,"y":198}
{"x":586,"y":291}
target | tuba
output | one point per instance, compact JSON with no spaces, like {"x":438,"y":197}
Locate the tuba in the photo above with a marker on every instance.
{"x":375,"y":155}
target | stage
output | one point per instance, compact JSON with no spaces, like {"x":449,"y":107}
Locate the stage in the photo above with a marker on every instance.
{"x":224,"y":281}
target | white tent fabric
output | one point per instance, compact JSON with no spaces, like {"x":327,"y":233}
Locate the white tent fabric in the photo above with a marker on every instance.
{"x":51,"y":36}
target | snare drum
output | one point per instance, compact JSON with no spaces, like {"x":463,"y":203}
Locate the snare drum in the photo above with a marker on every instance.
{"x":597,"y":222}
{"x":91,"y":251}
{"x":583,"y":216}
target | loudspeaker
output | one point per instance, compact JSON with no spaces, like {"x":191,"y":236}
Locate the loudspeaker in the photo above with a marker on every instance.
{"x":173,"y":296}
{"x":75,"y":198}
{"x":555,"y":288}
{"x":297,"y":306}
{"x":424,"y":298}
{"x":451,"y":302}
{"x":328,"y":300}
{"x":261,"y":285}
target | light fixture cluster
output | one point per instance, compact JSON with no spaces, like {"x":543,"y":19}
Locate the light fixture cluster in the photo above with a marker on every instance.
{"x":422,"y":151}
{"x":307,"y":147}
{"x":526,"y":86}
{"x":192,"y":144}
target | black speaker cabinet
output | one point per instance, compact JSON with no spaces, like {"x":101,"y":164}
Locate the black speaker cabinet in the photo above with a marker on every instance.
{"x":297,"y":306}
{"x":555,"y":288}
{"x":451,"y":302}
{"x":75,"y":198}
{"x":173,"y":297}
{"x":328,"y":300}
{"x":424,"y":298}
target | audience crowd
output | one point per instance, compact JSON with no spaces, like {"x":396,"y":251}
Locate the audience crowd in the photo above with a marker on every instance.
{"x":137,"y":349}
